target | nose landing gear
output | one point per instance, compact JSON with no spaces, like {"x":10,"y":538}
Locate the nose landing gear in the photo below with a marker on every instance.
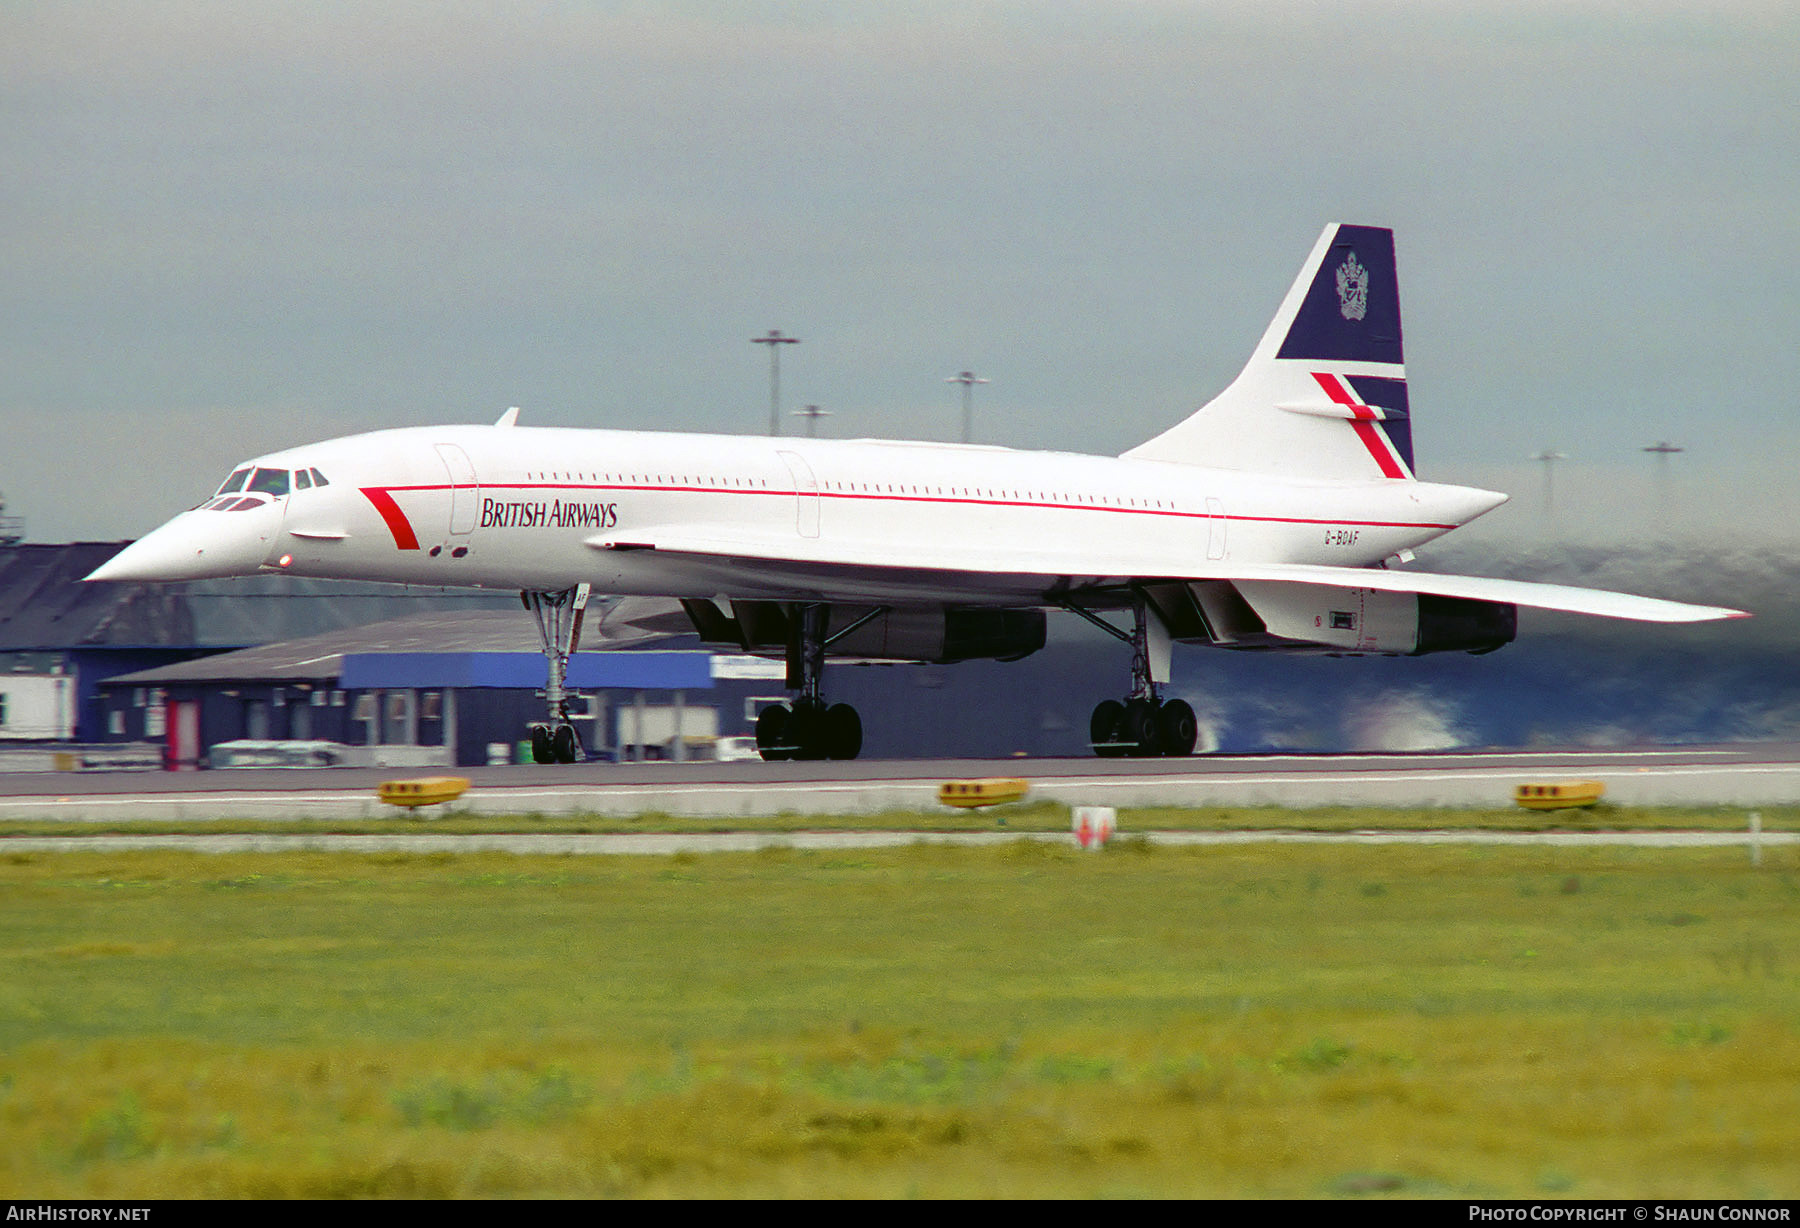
{"x":558,"y":616}
{"x":554,"y":743}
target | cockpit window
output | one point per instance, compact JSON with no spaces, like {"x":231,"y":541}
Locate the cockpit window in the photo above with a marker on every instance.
{"x":235,"y":481}
{"x":318,"y":478}
{"x":302,"y":479}
{"x":270,"y":482}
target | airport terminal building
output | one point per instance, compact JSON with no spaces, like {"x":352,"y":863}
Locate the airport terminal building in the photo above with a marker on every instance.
{"x":451,"y":688}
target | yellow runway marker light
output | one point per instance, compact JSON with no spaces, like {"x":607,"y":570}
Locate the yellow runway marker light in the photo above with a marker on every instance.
{"x":424,"y":791}
{"x":1558,"y":794}
{"x":993,"y":791}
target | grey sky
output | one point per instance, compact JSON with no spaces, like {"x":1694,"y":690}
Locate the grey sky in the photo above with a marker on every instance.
{"x":226,"y":228}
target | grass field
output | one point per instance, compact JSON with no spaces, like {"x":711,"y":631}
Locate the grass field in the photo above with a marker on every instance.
{"x":1012,"y":1020}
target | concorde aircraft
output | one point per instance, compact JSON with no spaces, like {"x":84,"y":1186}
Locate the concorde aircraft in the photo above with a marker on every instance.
{"x":1279,"y":517}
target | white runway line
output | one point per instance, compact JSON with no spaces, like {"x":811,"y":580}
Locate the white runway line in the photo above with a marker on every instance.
{"x":664,"y":844}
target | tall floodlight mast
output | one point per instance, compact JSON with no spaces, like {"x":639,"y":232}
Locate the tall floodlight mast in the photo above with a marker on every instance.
{"x":774,"y":341}
{"x":1662,"y":449}
{"x":968,"y":380}
{"x":1548,"y":458}
{"x":812,"y":414}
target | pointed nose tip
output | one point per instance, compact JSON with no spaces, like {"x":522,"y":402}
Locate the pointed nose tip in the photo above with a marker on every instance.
{"x":112,"y":569}
{"x":193,"y":546}
{"x":149,"y":559}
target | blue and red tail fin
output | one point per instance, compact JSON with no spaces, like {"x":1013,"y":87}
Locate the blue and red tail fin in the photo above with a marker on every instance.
{"x":1324,"y":395}
{"x":1351,"y":312}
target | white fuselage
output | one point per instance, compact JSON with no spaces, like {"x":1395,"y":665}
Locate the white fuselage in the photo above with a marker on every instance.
{"x":549,"y":508}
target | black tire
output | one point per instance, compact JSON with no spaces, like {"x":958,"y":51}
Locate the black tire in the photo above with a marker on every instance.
{"x":843,"y":732}
{"x":772,"y":739}
{"x":1179,"y":728}
{"x":806,"y":731}
{"x":563,"y":744}
{"x":1139,"y":730}
{"x":1104,"y":727}
{"x":541,"y":749}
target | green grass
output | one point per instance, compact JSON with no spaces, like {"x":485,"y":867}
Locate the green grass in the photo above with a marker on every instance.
{"x":1012,"y":1020}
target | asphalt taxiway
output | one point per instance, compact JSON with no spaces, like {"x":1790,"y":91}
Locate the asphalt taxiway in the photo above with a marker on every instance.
{"x":1752,"y":774}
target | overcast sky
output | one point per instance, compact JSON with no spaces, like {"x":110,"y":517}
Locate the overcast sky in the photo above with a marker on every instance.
{"x":231,"y":227}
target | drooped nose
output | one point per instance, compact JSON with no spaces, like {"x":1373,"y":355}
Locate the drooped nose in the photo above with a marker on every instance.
{"x":197,"y":545}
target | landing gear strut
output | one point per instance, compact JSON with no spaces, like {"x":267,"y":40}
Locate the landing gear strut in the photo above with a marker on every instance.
{"x":558,"y":616}
{"x":809,"y":729}
{"x":1143,"y":724}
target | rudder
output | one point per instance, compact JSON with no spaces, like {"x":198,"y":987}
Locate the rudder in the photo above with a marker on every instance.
{"x":1351,"y":312}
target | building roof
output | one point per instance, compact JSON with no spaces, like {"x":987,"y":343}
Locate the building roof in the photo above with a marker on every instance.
{"x":458,"y":648}
{"x":262,"y":609}
{"x":630,"y":671}
{"x":44,"y":605}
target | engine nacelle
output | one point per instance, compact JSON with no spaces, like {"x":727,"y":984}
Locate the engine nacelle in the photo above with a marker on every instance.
{"x":1464,"y":624}
{"x":1320,"y":618}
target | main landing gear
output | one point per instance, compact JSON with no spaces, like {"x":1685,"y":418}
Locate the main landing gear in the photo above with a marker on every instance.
{"x":1143,"y":724}
{"x":809,"y":729}
{"x":558,"y":616}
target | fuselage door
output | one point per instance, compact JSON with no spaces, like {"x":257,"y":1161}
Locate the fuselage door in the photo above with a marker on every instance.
{"x":465,"y":490}
{"x":806,"y":489}
{"x":1215,"y":521}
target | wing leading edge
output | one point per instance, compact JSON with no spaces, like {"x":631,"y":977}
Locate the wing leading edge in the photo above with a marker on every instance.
{"x":1060,"y":563}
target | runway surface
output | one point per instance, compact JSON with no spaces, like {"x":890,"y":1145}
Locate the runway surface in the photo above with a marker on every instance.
{"x":1754,"y":774}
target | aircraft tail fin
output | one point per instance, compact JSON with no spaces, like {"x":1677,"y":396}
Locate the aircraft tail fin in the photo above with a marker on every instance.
{"x":1324,"y":394}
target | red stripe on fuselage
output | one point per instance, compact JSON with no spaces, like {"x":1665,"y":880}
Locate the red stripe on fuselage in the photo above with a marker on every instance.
{"x":882,"y":497}
{"x":397,"y":523}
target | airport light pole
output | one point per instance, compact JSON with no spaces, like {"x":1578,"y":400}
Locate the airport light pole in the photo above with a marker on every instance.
{"x":774,"y":341}
{"x":812,"y":414}
{"x":968,"y":380}
{"x":1548,"y":459}
{"x":1662,"y":449}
